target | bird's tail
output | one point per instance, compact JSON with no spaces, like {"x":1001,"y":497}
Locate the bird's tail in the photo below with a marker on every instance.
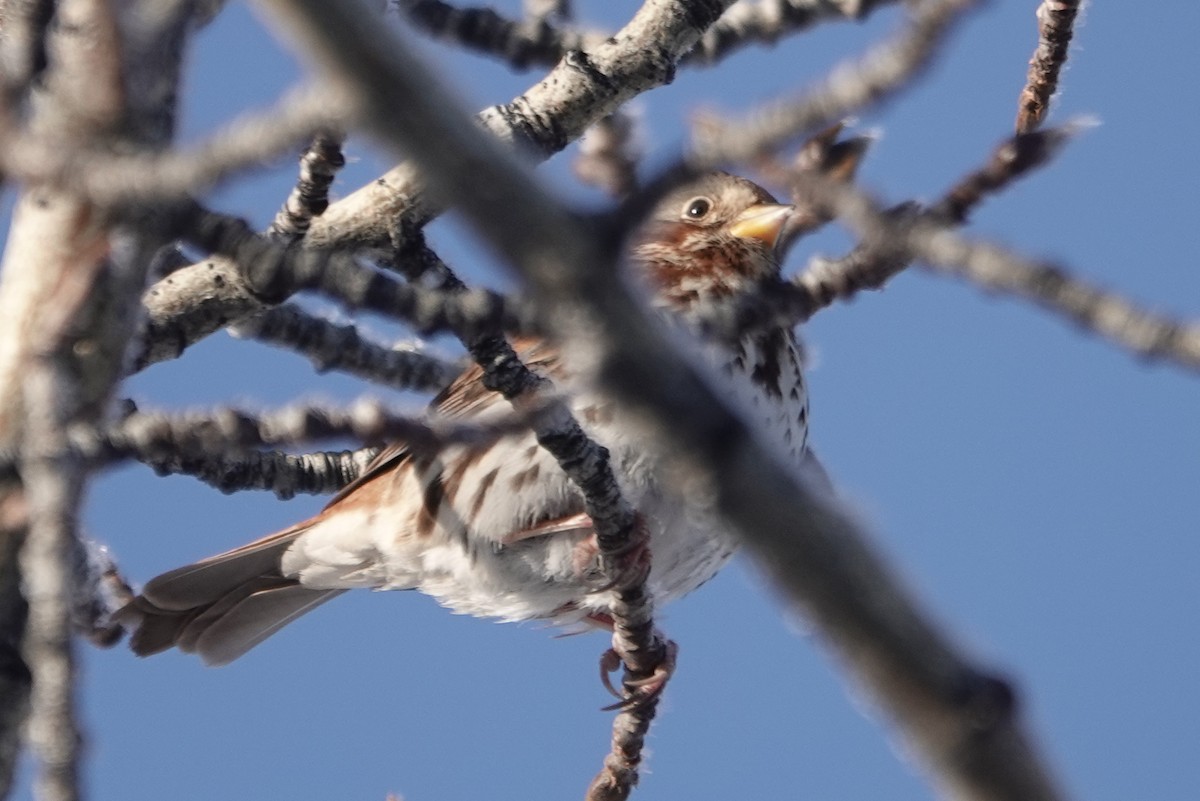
{"x":223,"y":606}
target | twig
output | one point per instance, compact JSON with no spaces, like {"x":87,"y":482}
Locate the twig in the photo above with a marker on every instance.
{"x":1013,"y":159}
{"x":884,"y":70}
{"x":284,"y":474}
{"x":158,"y":438}
{"x":608,"y":155}
{"x":341,"y":347}
{"x":768,"y":21}
{"x":521,"y":44}
{"x":112,"y":180}
{"x":879,"y":258}
{"x":1056,"y":21}
{"x":310,"y":197}
{"x":535,"y":43}
{"x":1045,"y":283}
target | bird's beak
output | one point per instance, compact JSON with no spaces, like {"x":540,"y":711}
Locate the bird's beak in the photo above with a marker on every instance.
{"x":765,"y":223}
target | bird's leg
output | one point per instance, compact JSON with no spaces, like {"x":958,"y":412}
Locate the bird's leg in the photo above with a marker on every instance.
{"x":630,"y":563}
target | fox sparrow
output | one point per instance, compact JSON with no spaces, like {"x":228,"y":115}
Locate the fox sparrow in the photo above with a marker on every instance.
{"x":498,"y":530}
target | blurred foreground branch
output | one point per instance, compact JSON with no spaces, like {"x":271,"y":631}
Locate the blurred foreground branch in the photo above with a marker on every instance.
{"x":959,"y":718}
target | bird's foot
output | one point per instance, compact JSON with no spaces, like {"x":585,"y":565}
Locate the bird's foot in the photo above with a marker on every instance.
{"x":636,"y":693}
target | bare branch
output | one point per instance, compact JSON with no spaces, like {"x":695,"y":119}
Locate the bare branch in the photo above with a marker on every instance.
{"x":1056,"y":21}
{"x":385,"y":214}
{"x":113,"y":180}
{"x":768,"y":21}
{"x":880,"y":73}
{"x":189,"y":304}
{"x":536,"y":43}
{"x":341,"y":347}
{"x":1013,"y":159}
{"x":878,"y":258}
{"x":68,"y":290}
{"x":522,"y":44}
{"x":273,"y":273}
{"x":153,"y":437}
{"x":1047,"y":284}
{"x":284,"y":474}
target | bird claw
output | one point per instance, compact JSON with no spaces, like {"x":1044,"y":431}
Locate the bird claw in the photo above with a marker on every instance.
{"x":636,"y":694}
{"x":630,"y":564}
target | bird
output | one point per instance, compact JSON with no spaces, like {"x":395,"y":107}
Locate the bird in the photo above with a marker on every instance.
{"x":497,"y":530}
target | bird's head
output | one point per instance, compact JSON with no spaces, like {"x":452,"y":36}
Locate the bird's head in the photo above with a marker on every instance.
{"x":712,"y":240}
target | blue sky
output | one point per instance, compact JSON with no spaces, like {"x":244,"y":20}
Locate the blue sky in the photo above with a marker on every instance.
{"x":1036,"y":486}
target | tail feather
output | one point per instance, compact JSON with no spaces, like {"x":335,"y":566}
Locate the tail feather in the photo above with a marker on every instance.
{"x":255,"y":619}
{"x":205,"y":582}
{"x":223,"y":606}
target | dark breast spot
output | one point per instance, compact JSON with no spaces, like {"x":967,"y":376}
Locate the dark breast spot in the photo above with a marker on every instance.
{"x":431,"y":499}
{"x":485,"y":485}
{"x":771,"y":346}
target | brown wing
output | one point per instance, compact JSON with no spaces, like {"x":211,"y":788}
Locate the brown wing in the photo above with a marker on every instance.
{"x":222,"y":606}
{"x":467,"y":396}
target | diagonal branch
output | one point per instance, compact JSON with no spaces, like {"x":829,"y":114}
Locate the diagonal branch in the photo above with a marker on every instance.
{"x":850,"y":87}
{"x":960,"y":718}
{"x":878,"y":258}
{"x":116,"y":180}
{"x":341,"y":347}
{"x":1047,"y":284}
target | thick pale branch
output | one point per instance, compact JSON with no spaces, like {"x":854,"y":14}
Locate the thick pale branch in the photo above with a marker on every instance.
{"x":583,"y":88}
{"x":53,"y":484}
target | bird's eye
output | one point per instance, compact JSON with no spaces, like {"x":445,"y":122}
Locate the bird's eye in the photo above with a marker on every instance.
{"x":697,"y":207}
